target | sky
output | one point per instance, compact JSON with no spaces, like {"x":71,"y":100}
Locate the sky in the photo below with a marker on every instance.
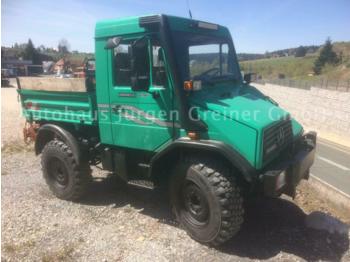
{"x":256,"y":25}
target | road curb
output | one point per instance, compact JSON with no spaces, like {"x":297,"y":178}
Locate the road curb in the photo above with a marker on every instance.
{"x":331,"y":193}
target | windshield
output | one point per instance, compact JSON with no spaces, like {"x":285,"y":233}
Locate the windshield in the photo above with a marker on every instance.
{"x":205,"y":58}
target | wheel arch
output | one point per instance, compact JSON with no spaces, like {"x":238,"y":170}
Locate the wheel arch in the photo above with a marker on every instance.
{"x":48,"y":132}
{"x":209,"y":147}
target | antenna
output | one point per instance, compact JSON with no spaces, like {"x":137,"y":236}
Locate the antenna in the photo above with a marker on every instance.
{"x":188,"y":7}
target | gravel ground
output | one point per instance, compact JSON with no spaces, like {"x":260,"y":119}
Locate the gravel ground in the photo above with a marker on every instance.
{"x":12,"y":122}
{"x":119,"y":222}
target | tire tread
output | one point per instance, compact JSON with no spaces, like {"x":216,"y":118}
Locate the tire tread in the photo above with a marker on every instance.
{"x":81,"y":172}
{"x":227,"y":193}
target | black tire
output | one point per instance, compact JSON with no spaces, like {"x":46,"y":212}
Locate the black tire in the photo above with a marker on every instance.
{"x":206,"y":201}
{"x":66,"y":179}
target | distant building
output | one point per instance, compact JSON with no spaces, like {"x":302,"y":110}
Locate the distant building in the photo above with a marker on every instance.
{"x":17,"y":66}
{"x":62,"y":66}
{"x":48,"y":67}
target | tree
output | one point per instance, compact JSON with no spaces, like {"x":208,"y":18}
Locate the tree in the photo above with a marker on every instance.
{"x":41,"y":48}
{"x":300,"y":51}
{"x":317,"y":67}
{"x":29,"y":50}
{"x":63,"y":46}
{"x":327,"y":55}
{"x":30,"y":53}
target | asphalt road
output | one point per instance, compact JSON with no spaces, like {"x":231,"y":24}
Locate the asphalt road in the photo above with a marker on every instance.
{"x":332,"y":165}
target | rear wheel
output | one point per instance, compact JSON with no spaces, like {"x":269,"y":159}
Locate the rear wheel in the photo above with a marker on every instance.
{"x":65,"y":178}
{"x":207,"y":201}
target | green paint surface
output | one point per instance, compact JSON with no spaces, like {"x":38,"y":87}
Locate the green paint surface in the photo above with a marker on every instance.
{"x":235,"y":113}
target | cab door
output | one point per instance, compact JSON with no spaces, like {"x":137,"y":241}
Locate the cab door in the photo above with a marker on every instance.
{"x":140,"y":119}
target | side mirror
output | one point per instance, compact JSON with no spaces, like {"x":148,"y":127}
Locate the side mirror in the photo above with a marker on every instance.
{"x":248,"y":78}
{"x":140,"y":65}
{"x":113,"y":42}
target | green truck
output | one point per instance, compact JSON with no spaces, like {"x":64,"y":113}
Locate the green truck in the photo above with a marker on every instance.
{"x":167,"y":106}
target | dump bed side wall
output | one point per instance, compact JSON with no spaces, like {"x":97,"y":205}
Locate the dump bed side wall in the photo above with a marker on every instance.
{"x":72,"y":107}
{"x":53,"y":84}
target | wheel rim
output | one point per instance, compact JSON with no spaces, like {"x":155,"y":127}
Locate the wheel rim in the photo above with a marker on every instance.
{"x":195,"y":204}
{"x":58,"y":173}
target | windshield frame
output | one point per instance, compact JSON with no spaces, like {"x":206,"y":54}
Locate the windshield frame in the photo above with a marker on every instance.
{"x":221,"y":40}
{"x":165,"y":25}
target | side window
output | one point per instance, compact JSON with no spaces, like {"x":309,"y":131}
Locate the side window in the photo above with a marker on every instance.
{"x":122,"y":65}
{"x":158,"y":68}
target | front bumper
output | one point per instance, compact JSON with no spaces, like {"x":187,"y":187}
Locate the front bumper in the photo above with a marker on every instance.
{"x":283,"y":176}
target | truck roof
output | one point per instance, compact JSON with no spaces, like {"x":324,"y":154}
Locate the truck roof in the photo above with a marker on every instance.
{"x":130,"y":25}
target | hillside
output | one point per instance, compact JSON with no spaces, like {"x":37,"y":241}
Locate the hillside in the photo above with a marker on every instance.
{"x":301,"y":67}
{"x":277,"y":53}
{"x":45,"y":54}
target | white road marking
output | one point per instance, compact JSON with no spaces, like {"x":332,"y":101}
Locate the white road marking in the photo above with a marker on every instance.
{"x":334,"y":163}
{"x":331,"y":186}
{"x":335,"y":147}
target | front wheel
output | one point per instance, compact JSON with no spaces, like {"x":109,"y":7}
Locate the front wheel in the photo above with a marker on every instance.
{"x":66,"y":178}
{"x":207,"y":201}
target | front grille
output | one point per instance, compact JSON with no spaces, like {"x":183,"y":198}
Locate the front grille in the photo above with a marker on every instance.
{"x":276,"y":138}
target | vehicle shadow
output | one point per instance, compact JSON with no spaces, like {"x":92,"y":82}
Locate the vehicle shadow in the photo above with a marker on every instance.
{"x":274,"y":225}
{"x":271,"y":225}
{"x":113,"y":191}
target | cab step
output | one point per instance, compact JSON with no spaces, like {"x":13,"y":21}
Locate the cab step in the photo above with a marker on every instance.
{"x":142,"y":184}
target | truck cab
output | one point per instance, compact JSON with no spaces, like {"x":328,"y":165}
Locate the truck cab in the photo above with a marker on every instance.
{"x":171,"y":107}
